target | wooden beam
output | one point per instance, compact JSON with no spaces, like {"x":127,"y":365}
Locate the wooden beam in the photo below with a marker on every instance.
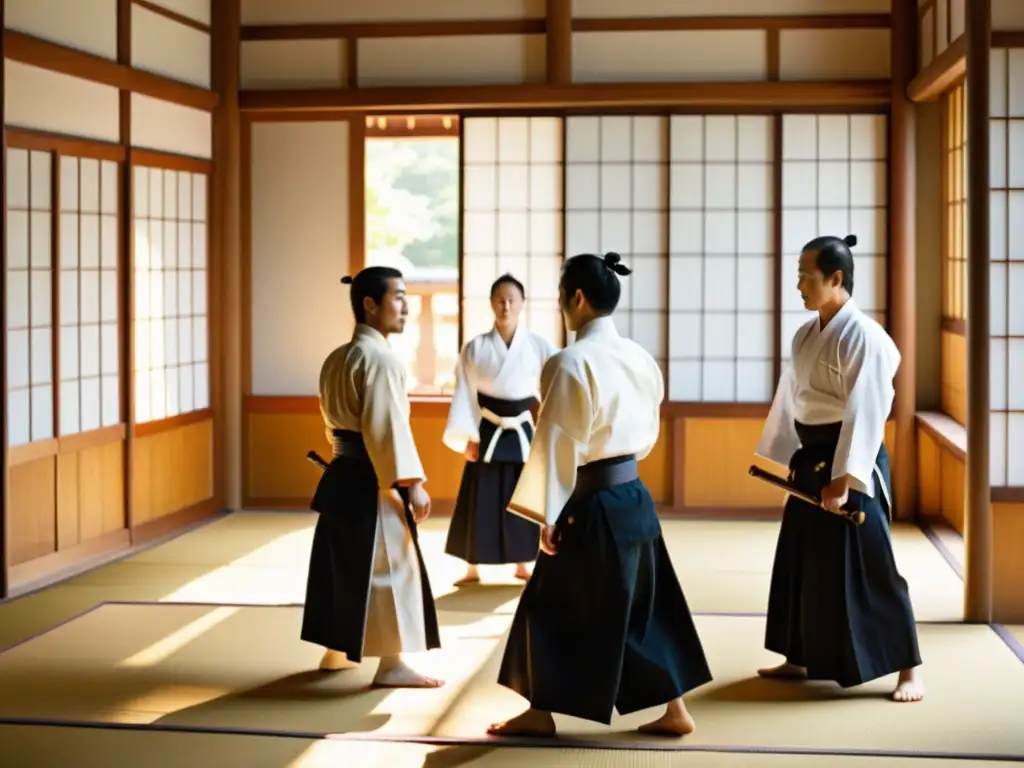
{"x":367,"y":30}
{"x":167,"y":13}
{"x":35,"y":52}
{"x":4,"y":523}
{"x":228,"y":217}
{"x":559,"y":42}
{"x":978,"y":507}
{"x":763,"y":96}
{"x":477,"y":27}
{"x":944,"y":70}
{"x":902,"y":252}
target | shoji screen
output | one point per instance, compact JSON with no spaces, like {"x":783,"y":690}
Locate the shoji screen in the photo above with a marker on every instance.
{"x":1007,"y":271}
{"x":615,"y":201}
{"x":721,"y":268}
{"x":172,"y":372}
{"x":512,"y":218}
{"x":29,"y":299}
{"x":89,"y":298}
{"x":834,"y":182}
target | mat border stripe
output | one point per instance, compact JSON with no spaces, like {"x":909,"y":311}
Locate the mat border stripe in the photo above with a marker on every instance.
{"x":560,"y":743}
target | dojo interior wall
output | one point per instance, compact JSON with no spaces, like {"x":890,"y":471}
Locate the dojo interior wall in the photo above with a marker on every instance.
{"x":108,"y":388}
{"x":302,"y":226}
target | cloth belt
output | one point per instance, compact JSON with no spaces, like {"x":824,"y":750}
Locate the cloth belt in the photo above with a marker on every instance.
{"x":349,"y":444}
{"x":507,"y":423}
{"x":603,"y":474}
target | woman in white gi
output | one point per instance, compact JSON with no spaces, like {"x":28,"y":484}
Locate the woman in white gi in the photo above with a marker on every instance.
{"x":490,"y":423}
{"x":838,"y":608}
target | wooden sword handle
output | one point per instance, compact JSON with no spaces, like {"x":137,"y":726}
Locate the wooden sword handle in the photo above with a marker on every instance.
{"x":855,"y":516}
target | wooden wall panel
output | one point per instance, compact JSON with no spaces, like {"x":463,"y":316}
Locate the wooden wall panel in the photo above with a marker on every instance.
{"x":941,"y":445}
{"x":170,"y":48}
{"x":346,"y":11}
{"x":173,"y":471}
{"x":954,"y":375}
{"x":268,"y":64}
{"x":454,"y":60}
{"x":671,"y":56}
{"x":88,"y":26}
{"x":834,"y":54}
{"x":280,"y":476}
{"x":1007,"y":566}
{"x":30,"y":516}
{"x":39,"y":99}
{"x":664,"y":8}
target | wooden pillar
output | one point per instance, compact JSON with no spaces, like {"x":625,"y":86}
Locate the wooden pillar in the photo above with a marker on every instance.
{"x":978,"y":506}
{"x":559,"y":40}
{"x":3,"y":329}
{"x":903,"y":254}
{"x":227,"y":127}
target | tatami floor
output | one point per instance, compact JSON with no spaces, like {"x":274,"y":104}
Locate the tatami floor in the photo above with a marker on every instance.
{"x":188,"y":655}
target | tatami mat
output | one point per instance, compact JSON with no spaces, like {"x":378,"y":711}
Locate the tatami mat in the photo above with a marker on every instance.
{"x":244,"y":668}
{"x":34,"y":747}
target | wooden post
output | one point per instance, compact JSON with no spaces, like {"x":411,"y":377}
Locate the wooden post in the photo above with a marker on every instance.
{"x":902,"y":253}
{"x":229,"y":386}
{"x":559,"y":42}
{"x":978,"y":506}
{"x":3,"y":331}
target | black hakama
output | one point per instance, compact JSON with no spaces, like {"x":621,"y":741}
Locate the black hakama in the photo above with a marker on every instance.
{"x":341,"y":559}
{"x":838,"y":604}
{"x":481,"y":531}
{"x":603,"y":624}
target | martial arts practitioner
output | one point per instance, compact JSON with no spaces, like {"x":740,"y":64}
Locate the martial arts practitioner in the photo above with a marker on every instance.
{"x":603,"y":623}
{"x":368,"y":593}
{"x":838,"y":608}
{"x":497,"y":381}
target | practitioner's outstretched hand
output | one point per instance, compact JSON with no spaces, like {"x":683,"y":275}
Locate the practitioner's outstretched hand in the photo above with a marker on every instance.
{"x":548,"y":542}
{"x":836,"y":494}
{"x":472,"y":451}
{"x":419,"y":500}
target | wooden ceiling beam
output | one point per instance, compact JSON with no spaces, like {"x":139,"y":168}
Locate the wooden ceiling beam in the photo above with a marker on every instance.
{"x":761,"y":95}
{"x":365,"y":30}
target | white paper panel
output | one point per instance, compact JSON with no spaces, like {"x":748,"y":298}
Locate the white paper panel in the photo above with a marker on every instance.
{"x":834,"y":182}
{"x":616,"y":199}
{"x":39,"y":99}
{"x":88,"y":25}
{"x":669,"y":56}
{"x":198,"y":10}
{"x":170,"y":48}
{"x":170,"y":127}
{"x":668,"y":8}
{"x":300,"y":312}
{"x":455,"y":60}
{"x":293,"y":64}
{"x":512,"y":218}
{"x":720,"y":272}
{"x":314,"y":11}
{"x":1006,"y":15}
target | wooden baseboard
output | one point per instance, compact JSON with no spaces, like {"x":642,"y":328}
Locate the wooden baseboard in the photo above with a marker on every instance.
{"x":58,"y":566}
{"x":174,"y":522}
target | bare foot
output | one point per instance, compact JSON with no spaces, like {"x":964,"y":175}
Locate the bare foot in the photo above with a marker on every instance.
{"x":676,"y":722}
{"x":522,"y":573}
{"x":401,"y":675}
{"x":532,"y":722}
{"x":910,"y":686}
{"x":784,"y":671}
{"x":472,"y":577}
{"x":333,"y":661}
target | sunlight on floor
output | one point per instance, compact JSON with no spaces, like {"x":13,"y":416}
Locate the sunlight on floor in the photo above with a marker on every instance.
{"x":175,"y":641}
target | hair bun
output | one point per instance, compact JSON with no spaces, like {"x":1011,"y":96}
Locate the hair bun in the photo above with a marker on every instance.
{"x":850,"y":240}
{"x":346,"y":280}
{"x":613,"y":261}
